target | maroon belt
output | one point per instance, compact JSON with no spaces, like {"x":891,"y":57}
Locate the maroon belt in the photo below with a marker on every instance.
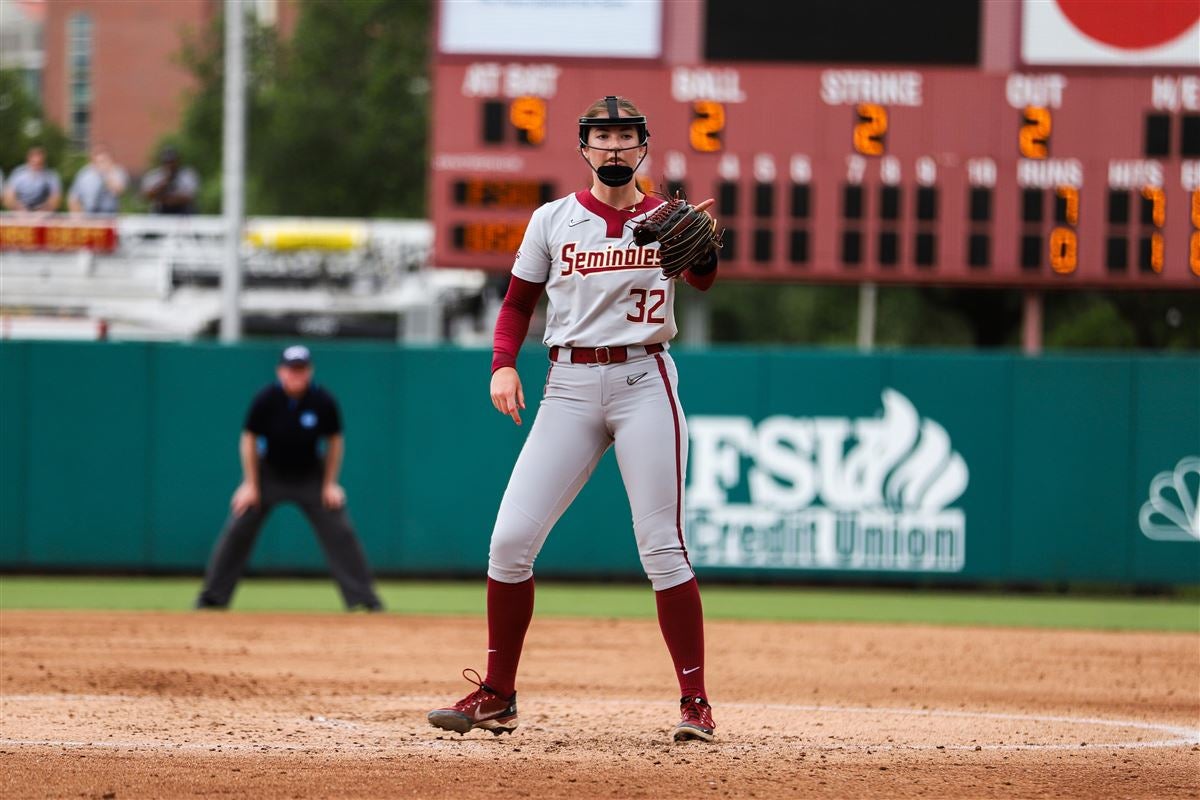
{"x":606,"y":355}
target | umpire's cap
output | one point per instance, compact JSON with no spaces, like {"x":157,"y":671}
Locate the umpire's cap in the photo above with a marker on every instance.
{"x":295,"y":356}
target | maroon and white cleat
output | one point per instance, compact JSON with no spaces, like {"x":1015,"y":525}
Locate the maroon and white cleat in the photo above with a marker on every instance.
{"x":696,"y":720}
{"x":482,"y":708}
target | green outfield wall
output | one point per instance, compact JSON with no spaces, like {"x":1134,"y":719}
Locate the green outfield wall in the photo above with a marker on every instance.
{"x":805,"y":465}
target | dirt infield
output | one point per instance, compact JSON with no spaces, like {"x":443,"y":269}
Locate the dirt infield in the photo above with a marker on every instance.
{"x":120,"y":705}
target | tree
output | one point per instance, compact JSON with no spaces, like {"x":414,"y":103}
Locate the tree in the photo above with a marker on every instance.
{"x":746,"y":312}
{"x":350,"y":113}
{"x":22,"y":126}
{"x":1161,"y":320}
{"x":991,"y":316}
{"x":201,"y":133}
{"x":336,"y":117}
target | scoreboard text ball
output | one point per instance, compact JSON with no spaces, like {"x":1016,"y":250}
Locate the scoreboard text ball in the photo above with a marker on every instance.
{"x":944,"y":176}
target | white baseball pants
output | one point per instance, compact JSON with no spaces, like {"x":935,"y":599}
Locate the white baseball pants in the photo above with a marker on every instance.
{"x":585,"y":409}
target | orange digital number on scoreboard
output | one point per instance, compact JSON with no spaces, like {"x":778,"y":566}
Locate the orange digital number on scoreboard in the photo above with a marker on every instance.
{"x":501,"y":194}
{"x":1034,"y":138}
{"x":871,"y":128}
{"x":1158,"y":204}
{"x":1194,"y":243}
{"x":1070,"y":197}
{"x":708,"y":123}
{"x":1156,"y":251}
{"x":1158,"y":216}
{"x":528,"y":116}
{"x":1064,"y":251}
{"x":489,"y":237}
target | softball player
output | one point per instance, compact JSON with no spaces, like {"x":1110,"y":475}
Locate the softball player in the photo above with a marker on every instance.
{"x":611,"y":383}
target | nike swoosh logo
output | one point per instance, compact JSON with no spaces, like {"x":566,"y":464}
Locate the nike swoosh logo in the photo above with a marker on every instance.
{"x":632,"y":379}
{"x":571,"y":223}
{"x":690,"y":671}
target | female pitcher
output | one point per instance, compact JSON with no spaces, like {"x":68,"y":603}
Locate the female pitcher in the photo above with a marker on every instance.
{"x":612,"y":383}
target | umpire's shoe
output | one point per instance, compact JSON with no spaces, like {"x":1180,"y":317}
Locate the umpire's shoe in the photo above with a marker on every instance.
{"x":482,"y":708}
{"x":696,"y":720}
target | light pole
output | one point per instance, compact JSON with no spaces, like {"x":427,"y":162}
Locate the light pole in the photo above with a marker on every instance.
{"x":233,"y":167}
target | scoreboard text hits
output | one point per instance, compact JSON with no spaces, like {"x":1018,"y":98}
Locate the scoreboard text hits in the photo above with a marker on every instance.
{"x":910,"y":176}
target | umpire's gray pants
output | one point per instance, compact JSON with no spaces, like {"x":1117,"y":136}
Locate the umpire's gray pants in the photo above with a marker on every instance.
{"x":338,"y":540}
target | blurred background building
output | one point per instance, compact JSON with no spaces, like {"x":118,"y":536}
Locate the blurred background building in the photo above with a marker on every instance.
{"x":110,"y":70}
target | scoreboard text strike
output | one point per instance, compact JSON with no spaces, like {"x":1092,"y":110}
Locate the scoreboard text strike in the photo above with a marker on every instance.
{"x":910,"y":176}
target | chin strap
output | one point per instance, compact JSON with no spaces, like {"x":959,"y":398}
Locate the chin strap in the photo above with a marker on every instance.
{"x":614,"y":175}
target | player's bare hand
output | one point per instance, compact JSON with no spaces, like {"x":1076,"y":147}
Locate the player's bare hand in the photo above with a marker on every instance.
{"x":333,"y":496}
{"x":507,"y":395}
{"x":245,"y":498}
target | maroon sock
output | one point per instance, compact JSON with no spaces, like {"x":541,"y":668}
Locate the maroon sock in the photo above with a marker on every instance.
{"x":509,"y":609}
{"x":681,"y":618}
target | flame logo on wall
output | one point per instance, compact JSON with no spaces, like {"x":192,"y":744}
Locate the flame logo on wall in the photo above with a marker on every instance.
{"x":929,"y":476}
{"x":1172,"y":514}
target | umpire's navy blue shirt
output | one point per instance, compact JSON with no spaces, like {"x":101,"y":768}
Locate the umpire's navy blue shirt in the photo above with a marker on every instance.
{"x":292,"y":427}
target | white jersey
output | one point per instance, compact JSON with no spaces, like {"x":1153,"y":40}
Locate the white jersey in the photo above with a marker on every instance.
{"x":603,"y":290}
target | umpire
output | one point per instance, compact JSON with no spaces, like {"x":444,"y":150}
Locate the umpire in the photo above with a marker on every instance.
{"x":282,"y":462}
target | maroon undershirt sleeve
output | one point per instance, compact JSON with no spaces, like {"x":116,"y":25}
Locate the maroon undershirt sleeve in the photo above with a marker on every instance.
{"x":701,"y":282}
{"x":513,"y":321}
{"x":702,"y":276}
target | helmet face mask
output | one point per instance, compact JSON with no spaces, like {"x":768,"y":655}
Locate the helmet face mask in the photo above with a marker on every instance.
{"x":614,"y":175}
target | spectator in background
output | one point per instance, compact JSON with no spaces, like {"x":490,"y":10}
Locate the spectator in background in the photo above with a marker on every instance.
{"x":32,"y":186}
{"x":98,"y":187}
{"x":171,"y":187}
{"x":290,"y":417}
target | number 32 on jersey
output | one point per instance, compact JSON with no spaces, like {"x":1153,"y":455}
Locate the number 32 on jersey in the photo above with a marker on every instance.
{"x":646,"y":305}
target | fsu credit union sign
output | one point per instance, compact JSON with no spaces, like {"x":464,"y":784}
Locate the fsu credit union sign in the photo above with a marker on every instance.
{"x":827,"y":493}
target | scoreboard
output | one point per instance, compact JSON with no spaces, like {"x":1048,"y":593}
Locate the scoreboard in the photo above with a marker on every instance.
{"x":824,"y":173}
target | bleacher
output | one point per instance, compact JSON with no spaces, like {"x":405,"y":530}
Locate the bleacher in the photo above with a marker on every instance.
{"x":147,"y":276}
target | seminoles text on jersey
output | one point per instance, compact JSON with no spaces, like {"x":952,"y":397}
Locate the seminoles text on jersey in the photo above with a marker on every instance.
{"x":608,"y":259}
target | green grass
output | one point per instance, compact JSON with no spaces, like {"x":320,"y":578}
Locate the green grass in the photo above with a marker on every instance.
{"x":927,"y":607}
